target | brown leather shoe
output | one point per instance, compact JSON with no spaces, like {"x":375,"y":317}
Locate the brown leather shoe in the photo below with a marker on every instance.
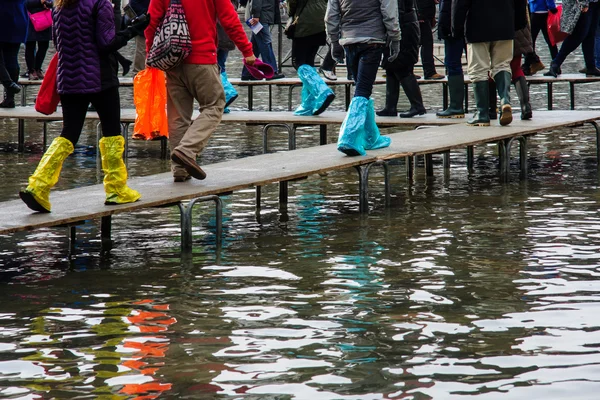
{"x":536,"y":67}
{"x":181,"y":178}
{"x":435,"y":76}
{"x":190,"y":165}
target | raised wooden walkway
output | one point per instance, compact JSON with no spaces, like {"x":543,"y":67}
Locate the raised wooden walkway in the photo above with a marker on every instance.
{"x":283,"y":119}
{"x":292,"y":83}
{"x":86,"y":203}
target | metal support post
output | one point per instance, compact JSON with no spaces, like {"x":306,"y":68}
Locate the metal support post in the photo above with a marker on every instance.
{"x":363,"y":184}
{"x":429,"y":164}
{"x":322,"y":134}
{"x":283,"y":192}
{"x":105,"y":233}
{"x":572,"y":93}
{"x":597,"y":128}
{"x":185,"y":212}
{"x":291,"y":135}
{"x":470,"y":158}
{"x":549,"y":85}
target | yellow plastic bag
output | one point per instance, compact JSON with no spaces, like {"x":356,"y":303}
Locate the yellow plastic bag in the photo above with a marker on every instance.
{"x":150,"y":100}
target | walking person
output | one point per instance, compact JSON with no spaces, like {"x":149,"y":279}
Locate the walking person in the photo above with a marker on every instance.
{"x":327,"y":67}
{"x":85,"y":40}
{"x":197,"y":78}
{"x":37,"y":43}
{"x":426,"y":15}
{"x":489,"y":27}
{"x":453,"y":51}
{"x":225,"y":45}
{"x":139,"y":59}
{"x":14,"y":23}
{"x":522,"y":45}
{"x":308,"y":37}
{"x":265,"y":12}
{"x":580,"y":19}
{"x":361,"y":29}
{"x":401,"y":70}
{"x":539,"y":11}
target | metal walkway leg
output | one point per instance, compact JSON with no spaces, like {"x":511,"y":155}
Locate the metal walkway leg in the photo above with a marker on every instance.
{"x":363,"y":184}
{"x":597,"y":128}
{"x":185,"y":212}
{"x":105,"y":233}
{"x":291,"y":135}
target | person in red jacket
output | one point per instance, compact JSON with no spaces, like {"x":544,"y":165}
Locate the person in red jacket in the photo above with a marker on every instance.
{"x":197,"y":78}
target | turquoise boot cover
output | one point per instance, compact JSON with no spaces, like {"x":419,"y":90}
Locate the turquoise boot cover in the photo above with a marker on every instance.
{"x":352,"y":138}
{"x":308,"y":101}
{"x":230,"y":93}
{"x":374,"y":140}
{"x":323,"y":95}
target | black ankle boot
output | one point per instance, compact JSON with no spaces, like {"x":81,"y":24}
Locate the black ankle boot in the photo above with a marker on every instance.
{"x":11,"y":87}
{"x":553,"y":71}
{"x":9,"y":101}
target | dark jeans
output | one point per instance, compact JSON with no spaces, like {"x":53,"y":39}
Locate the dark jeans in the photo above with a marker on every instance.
{"x":453,"y":50}
{"x":427,"y":48}
{"x":262,"y":47}
{"x":539,"y":22}
{"x":75,"y":107}
{"x":304,"y":49}
{"x":9,"y":62}
{"x":363,"y":60}
{"x":222,"y":58}
{"x":33,"y":58}
{"x":584,"y":34}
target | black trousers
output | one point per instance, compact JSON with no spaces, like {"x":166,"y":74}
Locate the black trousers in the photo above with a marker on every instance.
{"x":35,"y":59}
{"x":75,"y":107}
{"x":9,"y":62}
{"x":539,"y":22}
{"x":304,"y":49}
{"x":427,"y":48}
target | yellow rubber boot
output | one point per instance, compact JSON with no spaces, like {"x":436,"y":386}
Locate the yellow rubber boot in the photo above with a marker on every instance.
{"x":115,"y":172}
{"x":37,"y":194}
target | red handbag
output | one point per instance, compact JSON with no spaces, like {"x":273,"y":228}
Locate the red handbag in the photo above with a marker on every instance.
{"x":553,"y":22}
{"x":41,"y":20}
{"x":47,"y":99}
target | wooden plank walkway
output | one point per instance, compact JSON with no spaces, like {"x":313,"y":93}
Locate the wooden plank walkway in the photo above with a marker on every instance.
{"x":292,"y":83}
{"x":85,"y":203}
{"x":270,"y":119}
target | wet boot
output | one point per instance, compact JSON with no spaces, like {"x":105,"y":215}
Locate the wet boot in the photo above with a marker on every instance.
{"x":230,"y":93}
{"x":392,"y":93}
{"x":323,"y":95}
{"x":502,"y":80}
{"x":10,"y":89}
{"x":37,"y":193}
{"x":374,"y":140}
{"x":523,"y":93}
{"x":493,"y":99}
{"x":482,"y":103}
{"x":456,"y":90}
{"x":352,"y":137}
{"x":413,"y":92}
{"x":115,"y":172}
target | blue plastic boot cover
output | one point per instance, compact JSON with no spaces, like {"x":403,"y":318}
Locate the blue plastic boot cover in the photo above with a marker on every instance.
{"x":226,"y":110}
{"x":230,"y":92}
{"x":308,"y":102}
{"x":374,"y":140}
{"x":353,"y":134}
{"x":317,"y":85}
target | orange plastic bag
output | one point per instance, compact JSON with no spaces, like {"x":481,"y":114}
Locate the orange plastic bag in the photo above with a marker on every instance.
{"x":150,"y":100}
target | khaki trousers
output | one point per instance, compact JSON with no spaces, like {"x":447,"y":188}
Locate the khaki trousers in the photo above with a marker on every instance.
{"x":139,"y":58}
{"x":488,"y":58}
{"x":185,"y":83}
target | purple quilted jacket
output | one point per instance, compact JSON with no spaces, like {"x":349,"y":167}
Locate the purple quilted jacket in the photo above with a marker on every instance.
{"x":84,"y":36}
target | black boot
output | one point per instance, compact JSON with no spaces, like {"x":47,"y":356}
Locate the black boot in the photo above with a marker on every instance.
{"x":493,"y":101}
{"x":523,"y":93}
{"x":553,"y":71}
{"x":502,"y":80}
{"x":456,"y":90}
{"x":392,"y":92}
{"x":10,"y":89}
{"x":413,"y":92}
{"x":482,"y":99}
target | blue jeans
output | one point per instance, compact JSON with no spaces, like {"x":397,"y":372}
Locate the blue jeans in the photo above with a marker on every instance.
{"x":597,"y":47}
{"x":262,"y":47}
{"x":222,"y":58}
{"x":453,"y":50}
{"x":363,"y":60}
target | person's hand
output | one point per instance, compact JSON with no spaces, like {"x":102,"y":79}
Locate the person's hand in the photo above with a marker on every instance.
{"x":253,"y":21}
{"x":139,"y":24}
{"x":584,"y":9}
{"x":394,"y":50}
{"x":553,"y":10}
{"x":250,"y":60}
{"x":433,"y":22}
{"x":337,"y":52}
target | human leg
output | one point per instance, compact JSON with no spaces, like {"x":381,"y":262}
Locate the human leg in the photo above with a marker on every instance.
{"x":479,"y":64}
{"x":501,"y":55}
{"x":392,"y":94}
{"x":139,"y":59}
{"x":40,"y":56}
{"x":427,"y":50}
{"x":453,"y":49}
{"x":29,"y":58}
{"x":9,"y":72}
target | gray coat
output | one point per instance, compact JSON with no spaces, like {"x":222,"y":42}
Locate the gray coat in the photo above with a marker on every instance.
{"x":570,"y":14}
{"x":362,"y":21}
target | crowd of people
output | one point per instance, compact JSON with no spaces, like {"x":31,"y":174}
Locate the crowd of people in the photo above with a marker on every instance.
{"x":365,"y":34}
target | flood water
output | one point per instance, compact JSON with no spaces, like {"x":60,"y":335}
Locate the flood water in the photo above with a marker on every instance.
{"x":464,"y":286}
